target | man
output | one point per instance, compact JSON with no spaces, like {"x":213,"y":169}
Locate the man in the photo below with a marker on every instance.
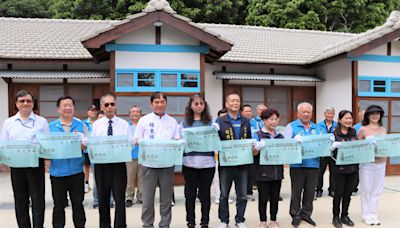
{"x":248,"y":113}
{"x":327,"y":126}
{"x":66,"y":175}
{"x":260,"y":109}
{"x":111,"y":177}
{"x":133,"y":168}
{"x":233,"y":126}
{"x":303,"y":176}
{"x":157,"y":125}
{"x":92,"y":116}
{"x":27,"y":183}
{"x":360,"y":120}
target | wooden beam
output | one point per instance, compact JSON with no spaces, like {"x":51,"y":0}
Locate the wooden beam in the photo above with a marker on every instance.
{"x":202,"y":73}
{"x":112,"y":72}
{"x":328,"y":60}
{"x":266,"y":65}
{"x":389,"y":48}
{"x":374,"y":44}
{"x":158,"y":34}
{"x":65,"y":86}
{"x":354,"y":87}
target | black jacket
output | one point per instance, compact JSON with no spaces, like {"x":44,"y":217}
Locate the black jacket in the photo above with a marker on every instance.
{"x":267,"y":172}
{"x":226,"y":131}
{"x":340,"y":137}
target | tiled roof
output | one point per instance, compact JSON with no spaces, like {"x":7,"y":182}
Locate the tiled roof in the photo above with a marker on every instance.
{"x":260,"y":76}
{"x":53,"y":74}
{"x":61,"y":39}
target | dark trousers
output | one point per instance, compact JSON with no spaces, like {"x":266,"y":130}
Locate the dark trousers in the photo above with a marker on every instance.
{"x":324,"y":162}
{"x":198,"y":179}
{"x":268,"y":191}
{"x":228,"y":175}
{"x":61,"y":186}
{"x":344,"y":187}
{"x":303,"y":181}
{"x":29,"y":183}
{"x":111,"y":178}
{"x":251,"y":180}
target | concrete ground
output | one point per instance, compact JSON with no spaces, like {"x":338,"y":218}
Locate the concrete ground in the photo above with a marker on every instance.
{"x":389,"y":209}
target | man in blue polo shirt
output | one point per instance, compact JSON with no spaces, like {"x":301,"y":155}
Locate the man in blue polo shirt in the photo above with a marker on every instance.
{"x":303,"y":176}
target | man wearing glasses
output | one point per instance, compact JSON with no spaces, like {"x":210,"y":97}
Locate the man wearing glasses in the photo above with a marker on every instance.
{"x":111,"y":177}
{"x":26,"y":182}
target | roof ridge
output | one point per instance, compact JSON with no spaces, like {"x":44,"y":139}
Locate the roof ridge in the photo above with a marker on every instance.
{"x":279,"y":29}
{"x":55,"y":19}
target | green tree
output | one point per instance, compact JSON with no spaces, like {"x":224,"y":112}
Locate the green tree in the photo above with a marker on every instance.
{"x":25,"y":8}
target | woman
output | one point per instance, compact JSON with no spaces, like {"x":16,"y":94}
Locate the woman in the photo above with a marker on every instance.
{"x":345,"y":176}
{"x":371,"y":174}
{"x":198,"y":167}
{"x":268,"y":177}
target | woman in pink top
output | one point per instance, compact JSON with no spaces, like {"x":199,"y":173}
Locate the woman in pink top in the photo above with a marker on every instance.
{"x":371,"y":174}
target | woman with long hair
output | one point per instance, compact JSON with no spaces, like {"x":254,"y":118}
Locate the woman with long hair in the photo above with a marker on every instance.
{"x":198,"y":167}
{"x":372,"y":174}
{"x":268,"y":177}
{"x":345,"y":176}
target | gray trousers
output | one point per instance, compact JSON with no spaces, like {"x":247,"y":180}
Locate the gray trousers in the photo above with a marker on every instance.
{"x":152,"y":177}
{"x":304,"y":181}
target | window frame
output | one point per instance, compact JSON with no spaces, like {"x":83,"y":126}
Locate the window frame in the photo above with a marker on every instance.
{"x":371,"y":93}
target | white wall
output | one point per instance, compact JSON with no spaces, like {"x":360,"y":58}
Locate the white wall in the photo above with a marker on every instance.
{"x":213,"y":90}
{"x":157,"y":60}
{"x":370,"y":68}
{"x":3,"y":102}
{"x":144,"y":35}
{"x":172,"y":36}
{"x":335,"y":91}
{"x":395,"y":48}
{"x":381,"y":50}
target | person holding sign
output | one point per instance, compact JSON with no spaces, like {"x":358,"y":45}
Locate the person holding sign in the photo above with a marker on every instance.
{"x":233,"y":127}
{"x":268,"y":177}
{"x":67,"y":175}
{"x":27,"y":183}
{"x":303,"y":176}
{"x":371,"y":175}
{"x":198,"y":167}
{"x":345,"y":176}
{"x":111,"y":177}
{"x":154,"y":126}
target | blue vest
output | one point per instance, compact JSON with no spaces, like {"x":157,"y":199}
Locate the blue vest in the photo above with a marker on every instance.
{"x":299,"y":129}
{"x":325,"y":129}
{"x":70,"y":166}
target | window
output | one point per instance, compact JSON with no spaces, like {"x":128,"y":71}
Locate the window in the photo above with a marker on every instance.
{"x":133,"y":80}
{"x":378,"y":87}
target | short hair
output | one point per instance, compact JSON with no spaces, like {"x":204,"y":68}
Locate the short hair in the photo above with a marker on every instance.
{"x":258,"y":106}
{"x":135,"y":106}
{"x":329,"y":109}
{"x":304,"y":104}
{"x":246,"y":105}
{"x":107,"y":95}
{"x":222,"y":111}
{"x":226,"y":98}
{"x":64,"y":98}
{"x":23,"y":93}
{"x":268,"y":113}
{"x":157,"y":95}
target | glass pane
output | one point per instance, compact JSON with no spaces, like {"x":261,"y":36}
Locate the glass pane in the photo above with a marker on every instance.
{"x":189,"y":76}
{"x":277,"y":95}
{"x":124,"y":103}
{"x":385,"y":122}
{"x":365,"y":103}
{"x":176,"y":105}
{"x":395,"y":160}
{"x":81,"y":108}
{"x":395,"y":125}
{"x":395,"y":108}
{"x":48,"y":109}
{"x":379,"y":83}
{"x":51,"y":93}
{"x":379,"y":89}
{"x":80,"y":92}
{"x":147,"y":83}
{"x":150,"y":76}
{"x":395,"y":87}
{"x":253,"y":94}
{"x":168,"y":80}
{"x":125,"y":80}
{"x":189,"y":84}
{"x":365,"y":86}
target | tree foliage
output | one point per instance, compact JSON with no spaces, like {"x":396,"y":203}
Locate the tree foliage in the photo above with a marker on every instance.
{"x":25,"y":8}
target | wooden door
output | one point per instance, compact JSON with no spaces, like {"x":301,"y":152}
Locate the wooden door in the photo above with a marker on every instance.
{"x":303,"y":94}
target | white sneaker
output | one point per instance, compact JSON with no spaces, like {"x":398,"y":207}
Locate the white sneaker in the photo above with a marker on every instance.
{"x":241,"y":225}
{"x":216,"y":201}
{"x":87,"y":188}
{"x":222,"y":225}
{"x":263,"y":225}
{"x":230,"y":200}
{"x":251,"y":198}
{"x":368,"y":221}
{"x":376,"y":222}
{"x":273,"y":224}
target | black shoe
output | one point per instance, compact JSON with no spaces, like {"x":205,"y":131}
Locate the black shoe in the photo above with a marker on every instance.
{"x":296,"y":222}
{"x":280,"y":198}
{"x":336,"y":222}
{"x":204,"y":226}
{"x":128,"y":203}
{"x":191,"y":225}
{"x":95,"y":205}
{"x":347,"y":221}
{"x":331,"y":193}
{"x":309,"y":220}
{"x":318,"y":194}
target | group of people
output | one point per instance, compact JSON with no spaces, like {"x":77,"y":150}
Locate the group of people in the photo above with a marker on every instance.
{"x":117,"y":181}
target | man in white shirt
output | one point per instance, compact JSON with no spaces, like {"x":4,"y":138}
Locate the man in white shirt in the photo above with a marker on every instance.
{"x":26,"y":182}
{"x":111,"y":177}
{"x":157,"y":125}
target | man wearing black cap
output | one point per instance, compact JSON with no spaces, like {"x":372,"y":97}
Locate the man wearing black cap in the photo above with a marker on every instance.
{"x":92,"y":116}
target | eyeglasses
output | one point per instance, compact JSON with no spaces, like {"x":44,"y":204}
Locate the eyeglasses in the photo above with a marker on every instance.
{"x":108,"y":104}
{"x":23,"y":101}
{"x":198,"y":103}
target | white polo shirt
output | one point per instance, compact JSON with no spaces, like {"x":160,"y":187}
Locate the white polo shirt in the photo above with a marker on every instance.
{"x":119,"y":126}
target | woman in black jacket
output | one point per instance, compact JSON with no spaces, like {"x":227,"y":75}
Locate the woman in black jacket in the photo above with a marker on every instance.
{"x":268,"y":177}
{"x":345,"y":176}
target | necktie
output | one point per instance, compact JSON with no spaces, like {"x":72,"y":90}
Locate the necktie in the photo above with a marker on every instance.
{"x":110,"y":130}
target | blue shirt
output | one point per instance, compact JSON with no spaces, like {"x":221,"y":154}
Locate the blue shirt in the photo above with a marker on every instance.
{"x":236,"y":123}
{"x":357,"y":126}
{"x":260,"y":123}
{"x":135,"y":150}
{"x":325,"y":128}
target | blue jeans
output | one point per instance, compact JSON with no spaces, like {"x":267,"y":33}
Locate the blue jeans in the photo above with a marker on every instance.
{"x":228,"y":175}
